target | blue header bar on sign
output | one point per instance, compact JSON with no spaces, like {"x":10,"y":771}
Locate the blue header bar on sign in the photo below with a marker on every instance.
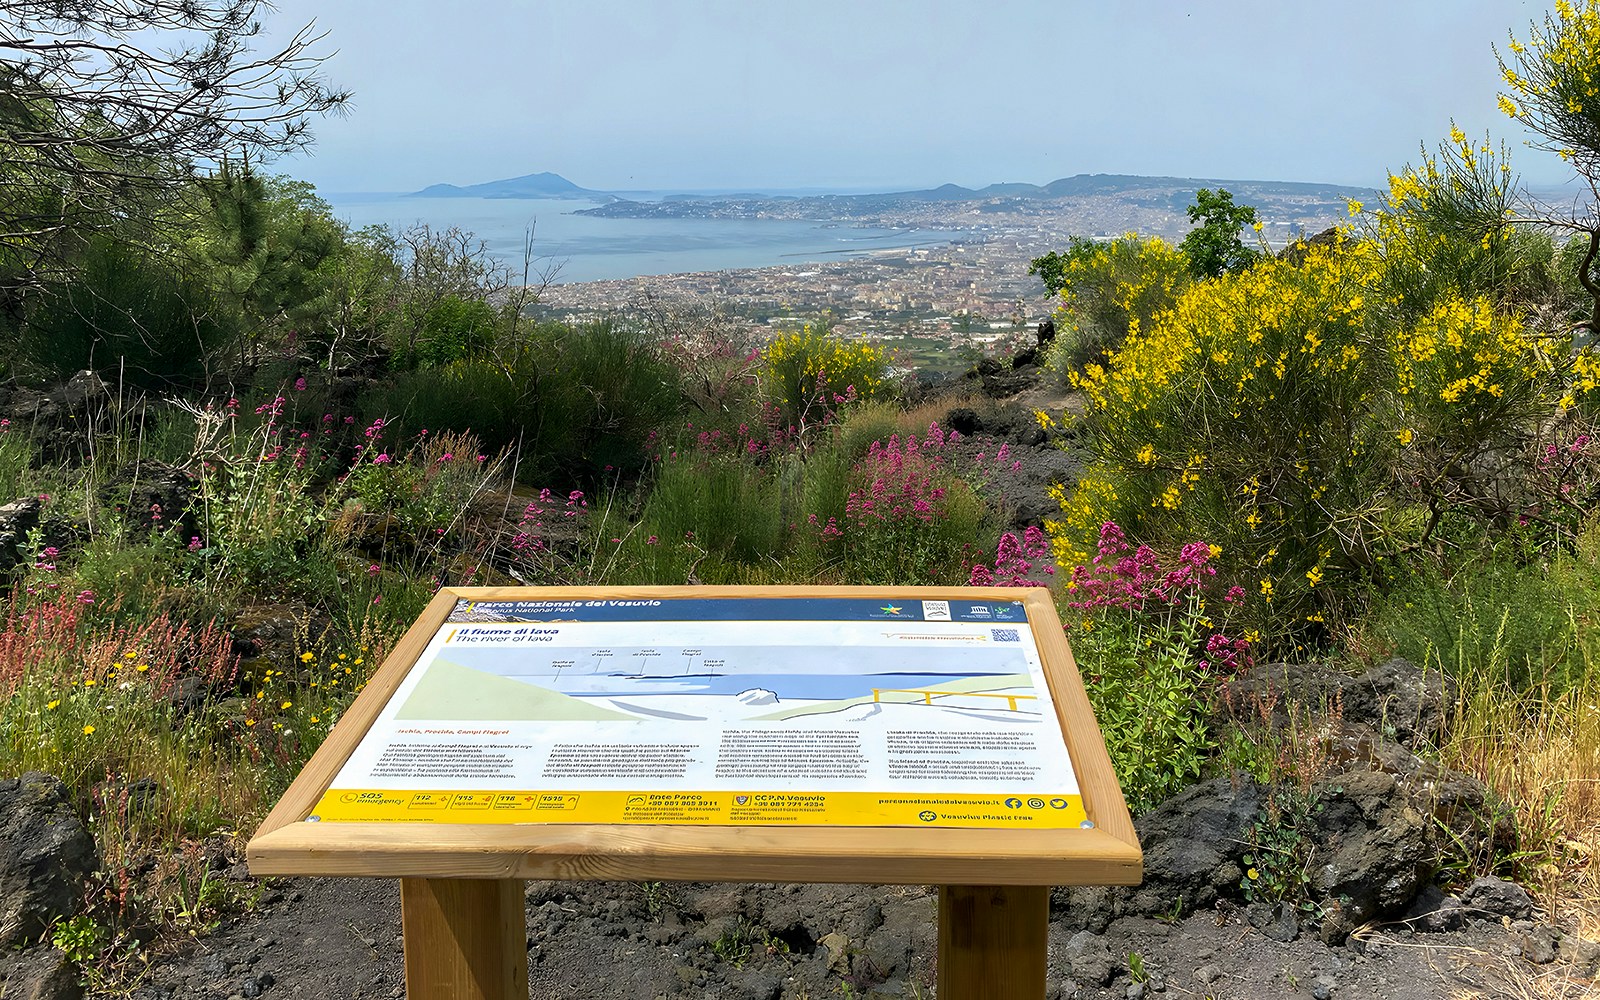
{"x":830,"y":609}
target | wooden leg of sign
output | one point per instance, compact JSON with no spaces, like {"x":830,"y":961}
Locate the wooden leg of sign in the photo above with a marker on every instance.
{"x":465,"y":939}
{"x":992,"y":941}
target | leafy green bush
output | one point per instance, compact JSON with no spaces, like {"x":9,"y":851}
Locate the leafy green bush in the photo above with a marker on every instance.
{"x":1148,"y":693}
{"x":1214,"y":247}
{"x":452,"y":329}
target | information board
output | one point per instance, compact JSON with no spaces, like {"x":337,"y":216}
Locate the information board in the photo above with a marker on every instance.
{"x":759,"y":711}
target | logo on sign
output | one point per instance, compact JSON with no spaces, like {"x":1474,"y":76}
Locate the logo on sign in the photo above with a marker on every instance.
{"x":936,"y":611}
{"x":927,"y":815}
{"x":740,"y":800}
{"x":979,"y":611}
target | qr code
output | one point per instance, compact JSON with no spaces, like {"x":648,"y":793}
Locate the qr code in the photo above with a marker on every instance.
{"x":1005,"y":635}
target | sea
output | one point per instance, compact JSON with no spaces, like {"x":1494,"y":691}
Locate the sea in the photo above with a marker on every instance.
{"x":586,"y":248}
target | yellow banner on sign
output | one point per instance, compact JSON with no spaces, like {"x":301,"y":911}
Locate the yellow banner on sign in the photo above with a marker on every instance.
{"x":1009,"y":812}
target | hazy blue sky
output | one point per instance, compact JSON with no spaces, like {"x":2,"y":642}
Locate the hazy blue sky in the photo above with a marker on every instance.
{"x":891,"y":94}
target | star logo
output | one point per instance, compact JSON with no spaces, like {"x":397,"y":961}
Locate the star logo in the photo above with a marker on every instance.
{"x":890,"y":609}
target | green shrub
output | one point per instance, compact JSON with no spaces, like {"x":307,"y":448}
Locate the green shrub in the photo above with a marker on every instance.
{"x":452,"y":329}
{"x":129,"y":315}
{"x":576,"y":403}
{"x":1148,"y":696}
{"x":1497,"y":616}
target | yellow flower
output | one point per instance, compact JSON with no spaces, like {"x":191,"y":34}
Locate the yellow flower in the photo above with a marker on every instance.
{"x":54,"y":704}
{"x":90,"y":682}
{"x":1252,"y":874}
{"x":315,"y":719}
{"x":88,"y":730}
{"x":287,"y":704}
{"x":1314,"y":575}
{"x":307,"y":657}
{"x":129,"y":655}
{"x":1216,"y":550}
{"x":1405,"y":436}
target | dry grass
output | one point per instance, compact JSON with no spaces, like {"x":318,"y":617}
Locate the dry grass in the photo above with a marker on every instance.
{"x":1540,"y":753}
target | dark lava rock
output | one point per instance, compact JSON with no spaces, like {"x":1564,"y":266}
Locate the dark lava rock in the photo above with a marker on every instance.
{"x":1434,"y":911}
{"x":1538,"y":945}
{"x":1402,"y":699}
{"x":17,"y":519}
{"x":1278,"y":922}
{"x":45,"y":853}
{"x":964,"y":420}
{"x":154,"y":496}
{"x":62,"y":420}
{"x":1374,"y":849}
{"x":41,"y":973}
{"x":267,"y":633}
{"x":1496,"y":896}
{"x":1091,"y":959}
{"x":1396,"y":699}
{"x":1192,"y":845}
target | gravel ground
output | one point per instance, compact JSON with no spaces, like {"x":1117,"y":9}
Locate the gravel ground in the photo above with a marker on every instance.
{"x":341,"y":938}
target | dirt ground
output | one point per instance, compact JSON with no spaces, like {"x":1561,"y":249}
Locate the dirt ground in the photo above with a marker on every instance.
{"x":341,"y":938}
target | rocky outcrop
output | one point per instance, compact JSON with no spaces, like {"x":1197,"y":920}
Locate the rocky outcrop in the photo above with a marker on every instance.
{"x":1397,"y":700}
{"x":41,"y":973}
{"x":1372,"y":849}
{"x":17,"y":519}
{"x":45,"y":854}
{"x":61,"y":420}
{"x":154,"y":496}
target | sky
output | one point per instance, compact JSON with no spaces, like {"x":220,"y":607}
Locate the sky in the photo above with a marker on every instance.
{"x":897,"y":94}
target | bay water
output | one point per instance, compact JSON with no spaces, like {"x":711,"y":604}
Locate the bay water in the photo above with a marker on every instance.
{"x":587,"y":248}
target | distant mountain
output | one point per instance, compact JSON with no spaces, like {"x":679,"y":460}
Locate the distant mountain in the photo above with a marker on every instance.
{"x":543,"y":185}
{"x":1177,"y":190}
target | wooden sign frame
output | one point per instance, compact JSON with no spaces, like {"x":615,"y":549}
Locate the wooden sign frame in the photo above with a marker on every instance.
{"x":461,"y":884}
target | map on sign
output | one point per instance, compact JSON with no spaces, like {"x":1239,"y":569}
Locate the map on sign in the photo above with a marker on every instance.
{"x":835,"y":711}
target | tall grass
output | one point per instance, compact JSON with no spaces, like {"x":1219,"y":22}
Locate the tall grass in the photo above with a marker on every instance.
{"x":1522,"y":640}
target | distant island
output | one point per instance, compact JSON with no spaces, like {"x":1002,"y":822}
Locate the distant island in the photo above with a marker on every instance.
{"x":533,"y":186}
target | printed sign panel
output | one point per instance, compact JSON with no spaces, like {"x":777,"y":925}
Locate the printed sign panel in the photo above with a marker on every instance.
{"x":739,"y":711}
